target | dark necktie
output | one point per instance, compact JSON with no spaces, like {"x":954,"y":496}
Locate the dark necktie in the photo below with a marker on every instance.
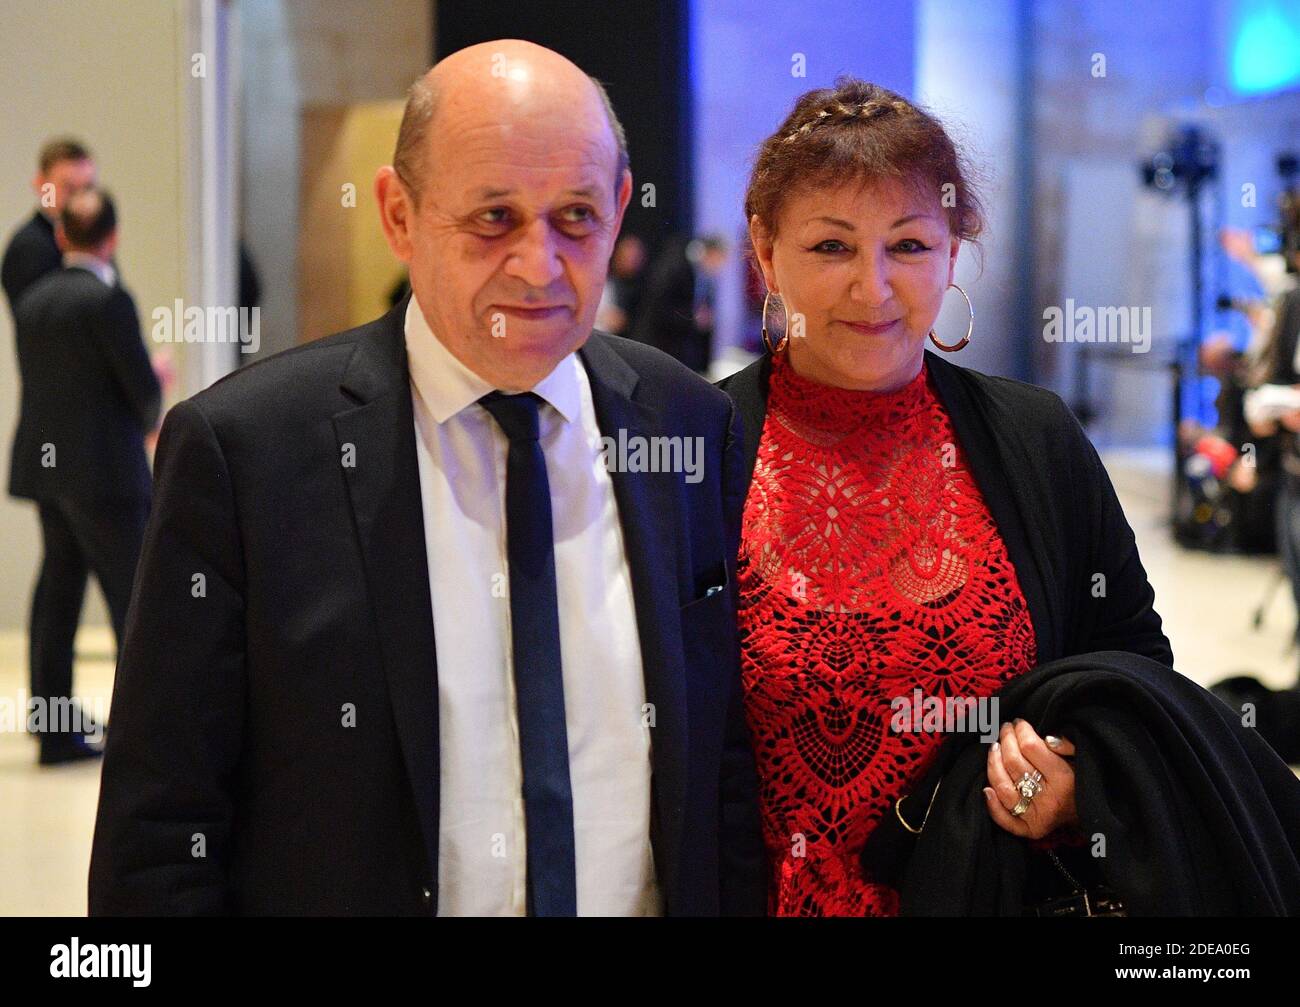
{"x":535,"y":644}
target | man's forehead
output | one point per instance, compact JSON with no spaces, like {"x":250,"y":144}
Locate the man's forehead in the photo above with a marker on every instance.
{"x":69,"y":166}
{"x":507,"y":102}
{"x":540,"y":137}
{"x":545,"y":120}
{"x":591,"y":189}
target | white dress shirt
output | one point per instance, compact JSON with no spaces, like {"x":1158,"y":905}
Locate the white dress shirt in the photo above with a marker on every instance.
{"x":462,"y":460}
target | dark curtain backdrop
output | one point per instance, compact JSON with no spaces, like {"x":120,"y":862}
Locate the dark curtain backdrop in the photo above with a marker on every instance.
{"x":639,"y":52}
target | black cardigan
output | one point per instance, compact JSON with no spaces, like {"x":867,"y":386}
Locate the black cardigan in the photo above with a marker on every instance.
{"x":1052,"y":500}
{"x":1199,"y":815}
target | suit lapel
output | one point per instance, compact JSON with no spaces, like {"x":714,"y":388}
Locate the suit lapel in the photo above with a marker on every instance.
{"x":748,"y":389}
{"x":384,"y":488}
{"x":649,"y":513}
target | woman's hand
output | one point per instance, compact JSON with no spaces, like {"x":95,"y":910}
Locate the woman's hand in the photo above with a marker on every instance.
{"x":1020,"y":750}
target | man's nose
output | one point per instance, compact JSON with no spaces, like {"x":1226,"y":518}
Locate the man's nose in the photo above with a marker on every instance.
{"x":533,"y":259}
{"x":871,"y":284}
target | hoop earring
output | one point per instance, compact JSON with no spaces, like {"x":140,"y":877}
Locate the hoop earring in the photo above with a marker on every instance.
{"x":969,"y":328}
{"x":767,"y":341}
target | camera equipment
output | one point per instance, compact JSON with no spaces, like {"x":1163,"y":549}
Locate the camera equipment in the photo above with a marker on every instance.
{"x":1189,"y":161}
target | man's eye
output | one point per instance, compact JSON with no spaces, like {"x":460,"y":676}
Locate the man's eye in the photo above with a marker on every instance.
{"x":496,"y":215}
{"x":578,"y":214}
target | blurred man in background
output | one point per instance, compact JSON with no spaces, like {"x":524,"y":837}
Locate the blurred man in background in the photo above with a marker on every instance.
{"x":708,"y":256}
{"x":89,"y":397}
{"x":666,"y":314}
{"x":622,"y":297}
{"x":64,"y":167}
{"x":676,"y":312}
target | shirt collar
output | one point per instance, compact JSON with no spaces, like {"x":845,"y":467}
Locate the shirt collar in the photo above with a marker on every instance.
{"x":84,"y":260}
{"x":447,"y":386}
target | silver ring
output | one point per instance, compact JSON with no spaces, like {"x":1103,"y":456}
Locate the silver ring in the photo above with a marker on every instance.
{"x":1030,"y":784}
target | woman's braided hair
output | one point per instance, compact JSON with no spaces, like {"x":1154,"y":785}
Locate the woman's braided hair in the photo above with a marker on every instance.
{"x":864,"y":132}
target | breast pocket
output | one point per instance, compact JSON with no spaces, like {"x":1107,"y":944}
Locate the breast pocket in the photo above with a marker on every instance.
{"x":709,"y":643}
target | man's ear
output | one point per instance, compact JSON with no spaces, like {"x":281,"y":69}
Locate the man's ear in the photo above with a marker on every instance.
{"x":762,"y":242}
{"x":396,"y":212}
{"x":60,"y":238}
{"x":624,"y":197}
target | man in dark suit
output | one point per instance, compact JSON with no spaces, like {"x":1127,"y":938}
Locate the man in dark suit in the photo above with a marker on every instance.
{"x":665,"y":319}
{"x":64,"y":167}
{"x":89,"y":395}
{"x":416,"y":630}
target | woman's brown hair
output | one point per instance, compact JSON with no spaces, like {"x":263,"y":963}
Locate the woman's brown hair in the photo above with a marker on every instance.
{"x":857,"y":130}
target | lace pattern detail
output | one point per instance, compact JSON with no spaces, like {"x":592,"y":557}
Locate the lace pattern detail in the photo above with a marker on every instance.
{"x":870,"y":566}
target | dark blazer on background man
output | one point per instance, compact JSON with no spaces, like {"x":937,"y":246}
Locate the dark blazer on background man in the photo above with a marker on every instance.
{"x":32,"y":252}
{"x":1050,"y":497}
{"x":88,"y":391}
{"x":227,"y":708}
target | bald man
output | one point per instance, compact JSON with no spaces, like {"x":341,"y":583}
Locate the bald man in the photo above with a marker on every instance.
{"x":436,"y":615}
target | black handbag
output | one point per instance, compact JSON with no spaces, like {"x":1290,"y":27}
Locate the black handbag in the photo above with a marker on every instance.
{"x":1052,"y":889}
{"x":1078,"y":899}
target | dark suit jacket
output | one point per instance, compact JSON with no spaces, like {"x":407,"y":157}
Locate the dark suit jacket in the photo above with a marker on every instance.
{"x":227,"y":707}
{"x":1050,"y":497}
{"x":32,"y":252}
{"x":665,"y":314}
{"x":88,"y":390}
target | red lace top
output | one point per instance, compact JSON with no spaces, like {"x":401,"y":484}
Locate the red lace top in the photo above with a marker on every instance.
{"x":870,"y":566}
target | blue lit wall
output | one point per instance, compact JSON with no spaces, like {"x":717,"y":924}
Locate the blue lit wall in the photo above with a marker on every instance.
{"x":1262,"y":46}
{"x":746,"y":57}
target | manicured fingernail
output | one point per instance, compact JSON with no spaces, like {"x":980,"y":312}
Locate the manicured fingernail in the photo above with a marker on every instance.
{"x":988,"y":793}
{"x":997,"y":745}
{"x":1053,"y":741}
